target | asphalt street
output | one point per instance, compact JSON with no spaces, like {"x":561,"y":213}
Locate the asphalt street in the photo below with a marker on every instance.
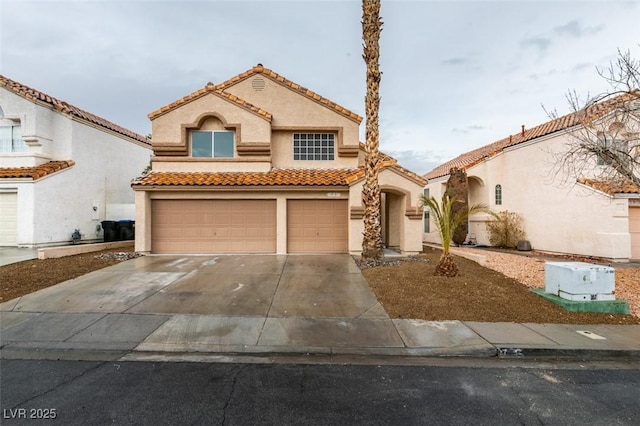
{"x":452,"y":393}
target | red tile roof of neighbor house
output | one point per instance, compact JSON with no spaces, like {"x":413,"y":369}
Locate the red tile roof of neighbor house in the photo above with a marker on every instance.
{"x":471,"y":158}
{"x":34,"y":172}
{"x":68,"y":109}
{"x":258,"y":69}
{"x":612,"y":187}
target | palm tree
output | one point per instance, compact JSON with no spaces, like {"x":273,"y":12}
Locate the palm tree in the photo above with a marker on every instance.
{"x":371,"y":28}
{"x":446,"y":223}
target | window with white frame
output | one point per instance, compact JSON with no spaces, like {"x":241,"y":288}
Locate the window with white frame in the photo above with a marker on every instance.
{"x":215,"y":144}
{"x":313,"y":146}
{"x":498,"y":195}
{"x":426,"y":222}
{"x":11,"y":137}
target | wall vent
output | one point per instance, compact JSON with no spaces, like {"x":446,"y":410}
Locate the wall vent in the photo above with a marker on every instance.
{"x":258,"y":84}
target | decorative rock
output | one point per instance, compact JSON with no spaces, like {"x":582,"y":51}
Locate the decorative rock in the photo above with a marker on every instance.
{"x":524,"y":245}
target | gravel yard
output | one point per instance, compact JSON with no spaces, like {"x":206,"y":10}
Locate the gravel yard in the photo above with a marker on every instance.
{"x":529,"y":270}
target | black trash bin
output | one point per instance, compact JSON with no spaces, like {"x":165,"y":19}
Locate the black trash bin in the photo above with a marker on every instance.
{"x":126,"y":230}
{"x":111,"y":231}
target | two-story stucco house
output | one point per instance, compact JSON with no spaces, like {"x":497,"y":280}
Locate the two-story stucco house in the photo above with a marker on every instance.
{"x":260,"y":164}
{"x":61,"y":169}
{"x":586,"y":217}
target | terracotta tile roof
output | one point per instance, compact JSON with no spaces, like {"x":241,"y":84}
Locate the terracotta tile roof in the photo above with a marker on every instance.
{"x":471,"y":158}
{"x":35,"y":172}
{"x":275,"y":177}
{"x":390,"y":162}
{"x":259,"y":69}
{"x":211,"y":88}
{"x":67,"y":109}
{"x":612,"y":187}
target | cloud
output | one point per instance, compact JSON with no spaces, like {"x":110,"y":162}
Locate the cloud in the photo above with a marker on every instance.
{"x":469,"y":128}
{"x":417,"y":161}
{"x":582,"y":66}
{"x":455,"y":61}
{"x":540,"y":43}
{"x":574,"y":28}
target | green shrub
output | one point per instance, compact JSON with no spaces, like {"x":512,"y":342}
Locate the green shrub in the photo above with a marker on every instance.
{"x":506,"y":230}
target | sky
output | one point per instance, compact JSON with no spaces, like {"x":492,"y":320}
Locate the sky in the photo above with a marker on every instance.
{"x":457,"y":75}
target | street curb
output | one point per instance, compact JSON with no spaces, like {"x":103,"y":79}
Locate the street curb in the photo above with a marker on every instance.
{"x":590,"y":354}
{"x":324,"y":356}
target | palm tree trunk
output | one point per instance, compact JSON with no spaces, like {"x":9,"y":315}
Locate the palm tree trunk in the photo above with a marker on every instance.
{"x":371,"y":28}
{"x":446,"y":266}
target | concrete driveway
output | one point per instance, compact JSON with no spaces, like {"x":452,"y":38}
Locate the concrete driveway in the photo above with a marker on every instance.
{"x":206,"y":303}
{"x":10,"y":255}
{"x":329,"y":286}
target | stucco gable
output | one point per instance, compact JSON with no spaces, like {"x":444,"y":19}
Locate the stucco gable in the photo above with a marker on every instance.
{"x":295,"y":87}
{"x":258,"y":70}
{"x":210,"y":88}
{"x":65,"y":108}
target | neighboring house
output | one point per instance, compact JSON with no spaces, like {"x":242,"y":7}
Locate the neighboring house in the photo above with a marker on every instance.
{"x":586,"y":217}
{"x":259,"y":164}
{"x":61,"y":169}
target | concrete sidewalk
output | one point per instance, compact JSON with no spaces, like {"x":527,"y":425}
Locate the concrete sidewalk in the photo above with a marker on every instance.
{"x":262,"y":307}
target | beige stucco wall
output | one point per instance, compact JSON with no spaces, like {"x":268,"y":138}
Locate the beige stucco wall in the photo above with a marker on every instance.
{"x":403,"y":230}
{"x":188,"y":164}
{"x":282,"y":154}
{"x":291,"y":109}
{"x":167,"y":128}
{"x":557,"y":218}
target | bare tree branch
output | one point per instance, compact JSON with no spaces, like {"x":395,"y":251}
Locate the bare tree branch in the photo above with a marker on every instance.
{"x":604,"y":130}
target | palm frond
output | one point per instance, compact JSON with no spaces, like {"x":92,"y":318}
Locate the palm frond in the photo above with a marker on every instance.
{"x":446,"y":221}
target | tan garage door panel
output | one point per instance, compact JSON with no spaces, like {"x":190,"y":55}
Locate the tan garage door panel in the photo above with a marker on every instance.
{"x":213,"y":226}
{"x":317,"y":226}
{"x":634,"y":230}
{"x":8,"y":218}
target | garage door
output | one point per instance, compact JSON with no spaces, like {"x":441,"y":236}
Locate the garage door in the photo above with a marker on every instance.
{"x":213,"y":226}
{"x":634,"y":230}
{"x":8,"y":218}
{"x":317,"y":226}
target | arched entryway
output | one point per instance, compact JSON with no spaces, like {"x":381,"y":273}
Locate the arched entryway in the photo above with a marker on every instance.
{"x":393,"y":207}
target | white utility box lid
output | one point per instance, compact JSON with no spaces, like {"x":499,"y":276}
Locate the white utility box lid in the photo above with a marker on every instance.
{"x":579,"y":280}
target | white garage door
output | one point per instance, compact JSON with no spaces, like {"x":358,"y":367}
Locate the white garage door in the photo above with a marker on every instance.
{"x":213,"y":226}
{"x":317,"y":226}
{"x":634,"y":230}
{"x":8,"y":218}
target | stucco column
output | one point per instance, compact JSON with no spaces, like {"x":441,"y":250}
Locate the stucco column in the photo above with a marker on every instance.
{"x":143,"y":222}
{"x":281,"y":225}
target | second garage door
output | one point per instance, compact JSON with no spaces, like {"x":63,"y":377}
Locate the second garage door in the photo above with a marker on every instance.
{"x":317,"y":226}
{"x":213,"y":226}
